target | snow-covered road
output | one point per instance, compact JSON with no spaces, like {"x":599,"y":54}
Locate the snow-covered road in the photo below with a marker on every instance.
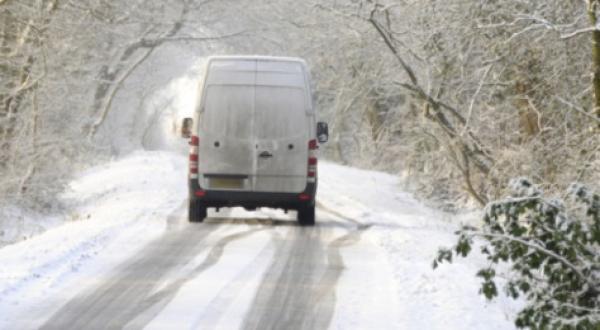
{"x":129,"y":259}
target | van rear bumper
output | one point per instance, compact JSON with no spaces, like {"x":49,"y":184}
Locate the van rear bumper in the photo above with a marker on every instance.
{"x":248,"y":199}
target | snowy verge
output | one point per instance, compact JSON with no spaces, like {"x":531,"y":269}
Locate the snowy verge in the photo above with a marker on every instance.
{"x":410,"y":235}
{"x":128,"y":200}
{"x":18,"y":224}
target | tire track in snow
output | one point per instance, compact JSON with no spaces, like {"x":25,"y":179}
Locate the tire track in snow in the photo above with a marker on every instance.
{"x":285,"y":292}
{"x":329,"y":210}
{"x":79,"y":253}
{"x":143,"y":313}
{"x":209,"y":319}
{"x":326,"y":298}
{"x":123,"y":297}
{"x":298,"y":290}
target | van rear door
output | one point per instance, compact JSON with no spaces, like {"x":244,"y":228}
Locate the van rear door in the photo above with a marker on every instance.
{"x":226,"y":128}
{"x":281,"y":127}
{"x":281,"y":131}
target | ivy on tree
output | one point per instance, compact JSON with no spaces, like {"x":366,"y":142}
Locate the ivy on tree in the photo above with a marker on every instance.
{"x":553,"y":251}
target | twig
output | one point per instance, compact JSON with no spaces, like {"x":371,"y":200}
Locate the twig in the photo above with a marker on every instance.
{"x":578,"y":109}
{"x":578,"y":32}
{"x":471,"y":105}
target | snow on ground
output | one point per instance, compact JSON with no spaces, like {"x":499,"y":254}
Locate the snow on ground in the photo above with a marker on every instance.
{"x":112,"y":207}
{"x":410,"y":234}
{"x":17,"y":224}
{"x":131,"y":201}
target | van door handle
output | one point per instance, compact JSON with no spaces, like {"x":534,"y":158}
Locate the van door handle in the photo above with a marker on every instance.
{"x":265,"y":154}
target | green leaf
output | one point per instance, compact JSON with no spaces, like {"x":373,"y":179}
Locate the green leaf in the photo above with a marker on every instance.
{"x":463,"y":247}
{"x":524,"y":286}
{"x":487,"y":274}
{"x":489,"y":290}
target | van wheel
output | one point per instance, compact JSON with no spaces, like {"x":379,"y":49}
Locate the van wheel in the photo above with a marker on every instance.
{"x":306,"y":215}
{"x":196,"y":211}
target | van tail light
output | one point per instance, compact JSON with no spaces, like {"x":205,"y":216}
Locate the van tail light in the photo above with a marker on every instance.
{"x":194,"y":143}
{"x":304,"y":197}
{"x":312,"y":160}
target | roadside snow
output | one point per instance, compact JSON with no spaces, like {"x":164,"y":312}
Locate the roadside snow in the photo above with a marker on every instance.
{"x":17,"y":224}
{"x":111,"y":208}
{"x":410,"y":235}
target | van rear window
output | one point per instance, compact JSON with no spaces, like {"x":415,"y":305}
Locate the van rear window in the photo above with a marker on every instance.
{"x":255,"y":112}
{"x":280,"y":113}
{"x":228,"y":110}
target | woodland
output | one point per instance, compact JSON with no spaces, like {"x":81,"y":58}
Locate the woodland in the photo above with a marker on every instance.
{"x":483,"y":104}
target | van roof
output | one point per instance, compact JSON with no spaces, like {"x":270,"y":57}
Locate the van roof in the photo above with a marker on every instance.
{"x":256,"y":57}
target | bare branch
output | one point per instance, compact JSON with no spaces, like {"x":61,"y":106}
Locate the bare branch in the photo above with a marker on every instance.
{"x":466,"y":124}
{"x":106,"y":109}
{"x":579,"y":32}
{"x":390,"y":44}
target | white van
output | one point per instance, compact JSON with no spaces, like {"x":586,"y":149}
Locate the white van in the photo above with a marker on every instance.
{"x":253,"y":138}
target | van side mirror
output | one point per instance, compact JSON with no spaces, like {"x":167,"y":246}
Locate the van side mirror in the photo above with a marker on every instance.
{"x":186,"y":127}
{"x":322,"y":132}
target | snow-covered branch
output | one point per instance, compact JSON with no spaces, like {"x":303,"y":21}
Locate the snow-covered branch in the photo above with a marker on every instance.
{"x":537,"y":247}
{"x":554,"y":256}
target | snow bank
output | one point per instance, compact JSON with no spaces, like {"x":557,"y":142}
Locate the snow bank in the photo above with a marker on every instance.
{"x":409,"y":235}
{"x":111,"y":207}
{"x":17,"y":224}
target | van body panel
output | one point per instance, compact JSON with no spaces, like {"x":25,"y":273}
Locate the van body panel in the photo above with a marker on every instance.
{"x":280,"y":79}
{"x":225,"y":133}
{"x":254,"y":120}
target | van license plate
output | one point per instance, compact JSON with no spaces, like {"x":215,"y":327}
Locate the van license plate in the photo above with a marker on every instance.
{"x":226,"y":183}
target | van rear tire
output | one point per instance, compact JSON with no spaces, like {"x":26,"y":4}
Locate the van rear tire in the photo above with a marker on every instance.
{"x":306,"y":215}
{"x":196,"y":211}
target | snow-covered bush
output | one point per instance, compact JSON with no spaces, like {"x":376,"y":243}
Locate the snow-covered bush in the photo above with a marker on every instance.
{"x":553,"y":250}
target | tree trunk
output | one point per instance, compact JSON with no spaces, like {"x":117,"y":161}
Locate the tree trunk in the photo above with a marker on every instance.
{"x":528,"y":118}
{"x":593,"y":17}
